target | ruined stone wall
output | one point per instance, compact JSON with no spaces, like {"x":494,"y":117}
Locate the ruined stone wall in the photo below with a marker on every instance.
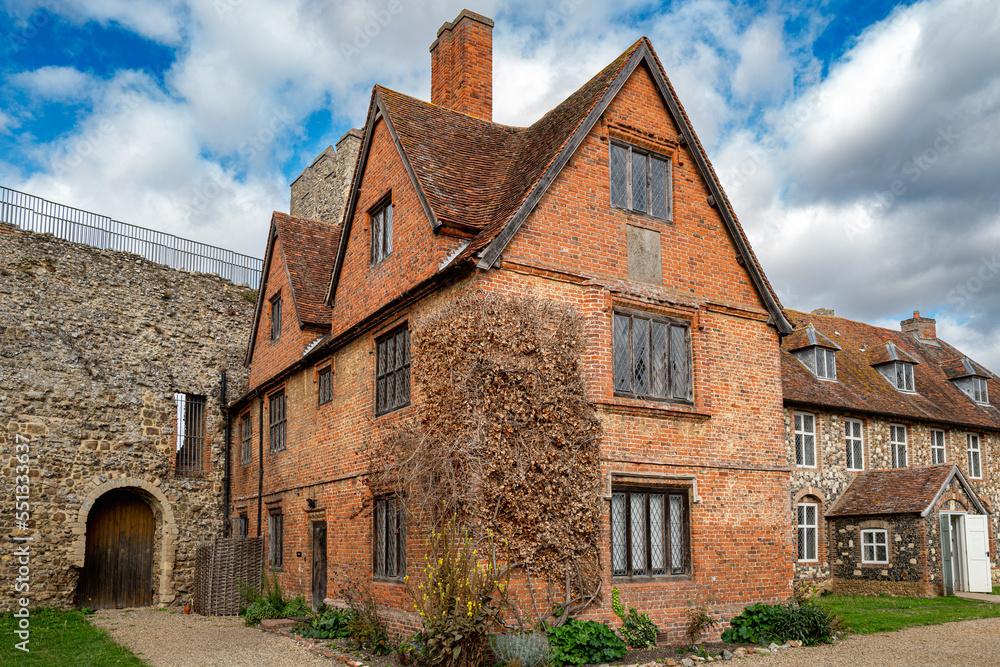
{"x":320,"y":192}
{"x":93,"y":346}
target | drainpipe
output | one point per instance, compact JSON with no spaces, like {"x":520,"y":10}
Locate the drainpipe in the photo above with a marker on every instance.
{"x":225,"y":474}
{"x":260,"y":459}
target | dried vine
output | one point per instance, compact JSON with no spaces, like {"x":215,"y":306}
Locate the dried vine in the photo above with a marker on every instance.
{"x":506,"y":440}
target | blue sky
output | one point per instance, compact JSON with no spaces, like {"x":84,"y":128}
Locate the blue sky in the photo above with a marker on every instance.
{"x":859,"y":142}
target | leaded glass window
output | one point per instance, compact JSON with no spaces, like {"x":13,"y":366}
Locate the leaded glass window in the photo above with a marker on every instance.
{"x":640,"y":181}
{"x":807,"y":531}
{"x":854,"y":444}
{"x":388,"y":538}
{"x":651,"y":357}
{"x":392,"y":375}
{"x":805,"y":440}
{"x":897,"y":443}
{"x":649,"y":532}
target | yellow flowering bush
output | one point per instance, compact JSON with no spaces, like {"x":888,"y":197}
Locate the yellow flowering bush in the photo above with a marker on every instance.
{"x":459,"y":593}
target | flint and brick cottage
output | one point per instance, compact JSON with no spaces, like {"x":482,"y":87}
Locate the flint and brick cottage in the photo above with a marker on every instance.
{"x":891,"y":439}
{"x":607,"y":206}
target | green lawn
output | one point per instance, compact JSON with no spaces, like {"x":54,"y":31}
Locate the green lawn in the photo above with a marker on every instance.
{"x":861,"y":614}
{"x":61,"y":638}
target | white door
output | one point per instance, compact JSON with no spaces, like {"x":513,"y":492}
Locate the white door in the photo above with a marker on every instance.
{"x":977,"y":553}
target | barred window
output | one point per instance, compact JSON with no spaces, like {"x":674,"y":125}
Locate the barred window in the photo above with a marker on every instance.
{"x":652,"y":357}
{"x":640,"y":181}
{"x":276,"y":407}
{"x":854,"y":444}
{"x":897,"y":443}
{"x":975,"y":465}
{"x":246,"y":438}
{"x":275,"y":538}
{"x":276,"y":316}
{"x":325,"y":389}
{"x":807,"y":531}
{"x":388,"y":538}
{"x":875,"y":546}
{"x":190,"y":434}
{"x":381,"y":224}
{"x":392,"y":371}
{"x":805,"y":440}
{"x":937,"y":446}
{"x":649,"y":532}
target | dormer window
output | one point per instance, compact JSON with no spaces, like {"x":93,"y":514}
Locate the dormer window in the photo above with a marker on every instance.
{"x":969,"y":377}
{"x":826,"y":364}
{"x":903,"y":374}
{"x":980,"y":394}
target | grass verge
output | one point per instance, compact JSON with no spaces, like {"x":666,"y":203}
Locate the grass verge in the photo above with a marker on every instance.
{"x":862,"y":614}
{"x":62,"y":638}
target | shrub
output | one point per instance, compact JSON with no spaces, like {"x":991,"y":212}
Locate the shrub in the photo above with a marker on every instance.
{"x":269,"y":603}
{"x":637,"y":630}
{"x":698,"y":622}
{"x":410,"y":651}
{"x":761,"y":623}
{"x":525,"y":649}
{"x":330,"y":624}
{"x":584,"y":642}
{"x":458,"y":599}
{"x":365,"y":627}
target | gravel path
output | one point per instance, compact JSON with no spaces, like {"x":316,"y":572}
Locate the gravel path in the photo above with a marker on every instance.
{"x":168,"y":638}
{"x":960,"y":643}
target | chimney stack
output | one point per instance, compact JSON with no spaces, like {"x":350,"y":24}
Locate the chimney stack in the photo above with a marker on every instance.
{"x":462,"y":66}
{"x":925,"y":328}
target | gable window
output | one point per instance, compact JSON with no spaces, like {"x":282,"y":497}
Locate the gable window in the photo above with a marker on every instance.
{"x":975,"y":465}
{"x":276,"y":316}
{"x":392,"y":371}
{"x":381,"y":226}
{"x":807,"y":531}
{"x":190,"y":433}
{"x":649,"y":532}
{"x":652,"y":357}
{"x":980,"y":393}
{"x":246,"y":438}
{"x":897,"y":443}
{"x":903,"y":374}
{"x":389,"y":539}
{"x":826,"y":364}
{"x":805,"y":440}
{"x":937,"y":446}
{"x":875,"y":546}
{"x":275,"y":538}
{"x":276,"y":411}
{"x":325,"y":390}
{"x":640,"y":181}
{"x":854,"y":444}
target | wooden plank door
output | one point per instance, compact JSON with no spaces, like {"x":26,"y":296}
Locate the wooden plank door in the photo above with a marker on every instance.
{"x":318,"y":563}
{"x":947,"y":569}
{"x":977,"y":553}
{"x":118,"y":563}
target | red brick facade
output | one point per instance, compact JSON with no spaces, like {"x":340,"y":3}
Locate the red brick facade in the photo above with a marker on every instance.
{"x":724,"y":449}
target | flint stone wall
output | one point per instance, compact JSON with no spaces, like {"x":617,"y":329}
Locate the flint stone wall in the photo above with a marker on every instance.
{"x":93,"y":346}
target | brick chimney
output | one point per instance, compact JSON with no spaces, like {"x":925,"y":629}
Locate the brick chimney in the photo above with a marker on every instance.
{"x":462,"y":65}
{"x":924,"y":327}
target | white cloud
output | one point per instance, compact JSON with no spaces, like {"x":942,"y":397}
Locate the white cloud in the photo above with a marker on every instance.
{"x":61,"y":84}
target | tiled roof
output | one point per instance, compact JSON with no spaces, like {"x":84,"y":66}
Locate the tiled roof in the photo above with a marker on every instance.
{"x":807,"y":336}
{"x":308,"y":247}
{"x":963,"y":368}
{"x":888,"y":352}
{"x":860,"y":387}
{"x":897,"y":491}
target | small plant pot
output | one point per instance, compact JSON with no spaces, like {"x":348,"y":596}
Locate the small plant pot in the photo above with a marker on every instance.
{"x":187,"y":609}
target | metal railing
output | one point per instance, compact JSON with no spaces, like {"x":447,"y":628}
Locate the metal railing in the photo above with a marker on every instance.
{"x":79,"y":226}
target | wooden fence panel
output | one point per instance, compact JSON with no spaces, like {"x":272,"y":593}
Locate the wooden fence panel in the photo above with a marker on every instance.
{"x":218,"y":566}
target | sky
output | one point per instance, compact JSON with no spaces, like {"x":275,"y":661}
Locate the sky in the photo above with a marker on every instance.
{"x":858,"y":141}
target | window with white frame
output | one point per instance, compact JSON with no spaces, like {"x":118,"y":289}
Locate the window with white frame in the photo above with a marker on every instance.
{"x":903,"y":374}
{"x":897,"y":443}
{"x":381,"y":226}
{"x":826,"y":364}
{"x":854,"y":444}
{"x":980,"y":392}
{"x":875,"y":546}
{"x":975,"y":464}
{"x":640,"y":181}
{"x":805,"y":440}
{"x":649,"y":532}
{"x":807,"y":532}
{"x":937,"y":446}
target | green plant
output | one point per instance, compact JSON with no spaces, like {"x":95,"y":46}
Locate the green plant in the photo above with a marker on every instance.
{"x":528,"y":649}
{"x":250,"y":296}
{"x":86,"y":611}
{"x":329,"y":624}
{"x":584,"y":642}
{"x":410,"y":651}
{"x":269,"y":602}
{"x":698,"y":621}
{"x":366,"y":628}
{"x":637,"y":629}
{"x":761,"y":623}
{"x":458,"y":597}
{"x":61,"y":637}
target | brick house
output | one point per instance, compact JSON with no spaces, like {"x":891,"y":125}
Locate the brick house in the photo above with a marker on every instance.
{"x":608,"y":205}
{"x":873,"y":414}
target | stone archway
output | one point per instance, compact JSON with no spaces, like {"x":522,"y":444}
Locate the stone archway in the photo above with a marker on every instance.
{"x":166,"y":529}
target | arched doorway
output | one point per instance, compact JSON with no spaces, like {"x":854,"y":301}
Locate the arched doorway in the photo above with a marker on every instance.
{"x":118,"y":563}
